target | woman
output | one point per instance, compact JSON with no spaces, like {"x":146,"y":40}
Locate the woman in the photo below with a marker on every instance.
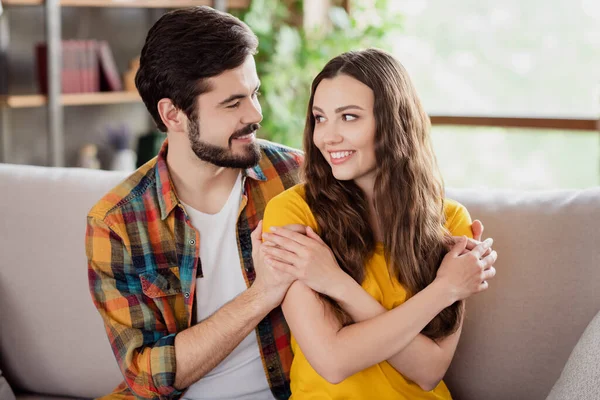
{"x":376,"y":310}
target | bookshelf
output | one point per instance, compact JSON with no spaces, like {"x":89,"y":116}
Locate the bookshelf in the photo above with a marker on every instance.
{"x":55,"y":101}
{"x":79,"y":99}
{"x":230,"y":4}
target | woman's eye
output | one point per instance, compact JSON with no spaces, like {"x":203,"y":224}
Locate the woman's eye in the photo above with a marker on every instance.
{"x":349,"y":117}
{"x":319,"y":119}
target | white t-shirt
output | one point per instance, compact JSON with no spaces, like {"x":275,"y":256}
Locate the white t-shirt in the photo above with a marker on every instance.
{"x":241,"y":374}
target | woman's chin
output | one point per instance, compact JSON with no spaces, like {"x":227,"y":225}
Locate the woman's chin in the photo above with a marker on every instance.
{"x":343,"y":175}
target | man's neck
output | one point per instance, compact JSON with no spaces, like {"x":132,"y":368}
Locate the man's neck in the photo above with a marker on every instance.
{"x":201,"y":185}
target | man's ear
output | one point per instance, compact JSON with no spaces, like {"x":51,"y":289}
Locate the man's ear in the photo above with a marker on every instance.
{"x":174,"y":119}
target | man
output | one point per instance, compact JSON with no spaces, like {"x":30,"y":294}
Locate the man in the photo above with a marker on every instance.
{"x":171,"y":245}
{"x":171,"y":269}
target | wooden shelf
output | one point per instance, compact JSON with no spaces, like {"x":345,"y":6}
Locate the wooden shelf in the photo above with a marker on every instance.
{"x":231,"y":4}
{"x":79,"y":99}
{"x":570,"y":124}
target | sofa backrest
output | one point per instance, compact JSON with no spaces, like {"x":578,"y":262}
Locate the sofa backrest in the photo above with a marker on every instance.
{"x":518,"y":335}
{"x":52,"y":339}
{"x":516,"y":339}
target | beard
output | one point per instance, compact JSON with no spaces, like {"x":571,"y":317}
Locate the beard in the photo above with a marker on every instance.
{"x":224,"y":156}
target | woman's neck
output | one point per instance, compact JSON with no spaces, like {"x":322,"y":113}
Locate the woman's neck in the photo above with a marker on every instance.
{"x":367,"y":185}
{"x":374,"y":223}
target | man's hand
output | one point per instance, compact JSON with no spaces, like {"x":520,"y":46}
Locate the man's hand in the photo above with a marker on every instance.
{"x":477,"y":229}
{"x":269,"y":281}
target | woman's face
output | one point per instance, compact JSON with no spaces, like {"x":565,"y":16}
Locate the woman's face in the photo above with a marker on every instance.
{"x":345,"y":129}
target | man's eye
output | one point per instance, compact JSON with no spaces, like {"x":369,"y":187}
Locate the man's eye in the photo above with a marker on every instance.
{"x":236,"y":105}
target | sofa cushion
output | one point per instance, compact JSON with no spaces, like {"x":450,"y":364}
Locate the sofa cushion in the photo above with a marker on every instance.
{"x":52,"y":339}
{"x":518,"y":335}
{"x":580,"y":377}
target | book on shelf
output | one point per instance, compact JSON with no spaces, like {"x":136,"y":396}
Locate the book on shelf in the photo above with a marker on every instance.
{"x":87,"y":66}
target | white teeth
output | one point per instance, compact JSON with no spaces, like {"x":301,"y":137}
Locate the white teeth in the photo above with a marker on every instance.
{"x":341,"y":154}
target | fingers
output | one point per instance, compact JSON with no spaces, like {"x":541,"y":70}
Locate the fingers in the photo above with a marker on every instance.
{"x":472,"y":243}
{"x":296,"y":228}
{"x":483,"y":286}
{"x":489,"y":274}
{"x":279,"y":254}
{"x":482,"y":247}
{"x":282,"y":267}
{"x":459,"y":245}
{"x":486,"y":275}
{"x":256,"y":235}
{"x":292,"y":235}
{"x":477,"y":229}
{"x":489,"y":260}
{"x":283,"y":242}
{"x":313,"y":235}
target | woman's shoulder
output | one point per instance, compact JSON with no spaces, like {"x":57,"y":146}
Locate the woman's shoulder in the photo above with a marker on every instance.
{"x":457,"y":217}
{"x":289,"y":207}
{"x":296,"y":195}
{"x":452,"y":207}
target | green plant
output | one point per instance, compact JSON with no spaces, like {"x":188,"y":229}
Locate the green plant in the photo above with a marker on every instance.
{"x":290,"y":57}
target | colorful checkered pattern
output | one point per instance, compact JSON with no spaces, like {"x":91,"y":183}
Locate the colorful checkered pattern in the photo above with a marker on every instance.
{"x":143,"y":262}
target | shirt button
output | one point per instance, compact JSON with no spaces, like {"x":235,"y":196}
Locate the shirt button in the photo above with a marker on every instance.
{"x":271,"y":369}
{"x":192,"y":242}
{"x":186,"y":295}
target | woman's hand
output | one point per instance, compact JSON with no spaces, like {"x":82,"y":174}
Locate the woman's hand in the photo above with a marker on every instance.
{"x":306,"y":257}
{"x":465,"y":274}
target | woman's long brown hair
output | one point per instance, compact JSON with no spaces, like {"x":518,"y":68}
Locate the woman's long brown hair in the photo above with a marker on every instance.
{"x":408,"y":192}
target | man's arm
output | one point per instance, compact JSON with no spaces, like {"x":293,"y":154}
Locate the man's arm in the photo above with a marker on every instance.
{"x":200,"y":348}
{"x":154,"y":362}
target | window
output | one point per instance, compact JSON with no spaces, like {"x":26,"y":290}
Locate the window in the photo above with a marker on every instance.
{"x":512,"y":58}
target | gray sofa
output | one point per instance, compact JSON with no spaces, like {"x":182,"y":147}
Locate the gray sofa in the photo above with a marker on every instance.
{"x":517,"y":336}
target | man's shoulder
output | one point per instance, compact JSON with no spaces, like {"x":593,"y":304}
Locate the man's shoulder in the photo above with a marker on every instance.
{"x":277,"y":153}
{"x":127,"y":191}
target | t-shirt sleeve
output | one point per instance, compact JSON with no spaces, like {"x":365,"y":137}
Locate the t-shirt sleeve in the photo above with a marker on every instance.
{"x":286,"y":209}
{"x":458,"y":220}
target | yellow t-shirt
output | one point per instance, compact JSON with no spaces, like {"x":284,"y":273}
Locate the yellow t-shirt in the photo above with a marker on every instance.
{"x":379,"y":381}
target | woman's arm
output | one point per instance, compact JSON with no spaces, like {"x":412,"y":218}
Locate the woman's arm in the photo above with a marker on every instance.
{"x":326,"y":344}
{"x":337,"y":352}
{"x":289,"y":208}
{"x":423,"y":360}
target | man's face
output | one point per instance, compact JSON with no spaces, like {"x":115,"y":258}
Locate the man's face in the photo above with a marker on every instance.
{"x":228,"y":117}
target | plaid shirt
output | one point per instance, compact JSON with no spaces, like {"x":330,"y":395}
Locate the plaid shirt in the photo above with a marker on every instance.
{"x":143,"y":260}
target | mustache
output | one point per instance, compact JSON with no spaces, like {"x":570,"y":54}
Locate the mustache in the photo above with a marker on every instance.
{"x":244,"y":131}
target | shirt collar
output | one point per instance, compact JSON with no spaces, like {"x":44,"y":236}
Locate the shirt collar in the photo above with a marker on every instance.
{"x":167,"y":197}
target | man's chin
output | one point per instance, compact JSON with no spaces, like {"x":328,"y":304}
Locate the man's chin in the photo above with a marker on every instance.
{"x":243,"y":159}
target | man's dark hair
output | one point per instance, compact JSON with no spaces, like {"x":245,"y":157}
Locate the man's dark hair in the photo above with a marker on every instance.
{"x":182,"y":49}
